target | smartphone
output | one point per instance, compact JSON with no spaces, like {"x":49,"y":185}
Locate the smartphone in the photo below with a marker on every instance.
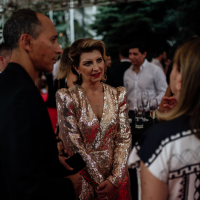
{"x":76,"y":162}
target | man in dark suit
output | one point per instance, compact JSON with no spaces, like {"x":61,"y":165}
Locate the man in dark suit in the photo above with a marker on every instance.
{"x":117,"y":72}
{"x":29,"y":163}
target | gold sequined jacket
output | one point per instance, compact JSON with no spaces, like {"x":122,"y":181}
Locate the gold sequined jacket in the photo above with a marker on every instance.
{"x":104,"y":145}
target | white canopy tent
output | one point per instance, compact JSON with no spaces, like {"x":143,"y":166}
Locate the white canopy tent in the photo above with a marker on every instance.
{"x":55,"y":5}
{"x":9,"y":6}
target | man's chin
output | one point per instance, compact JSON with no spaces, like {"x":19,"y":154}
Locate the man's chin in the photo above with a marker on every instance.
{"x":51,"y":69}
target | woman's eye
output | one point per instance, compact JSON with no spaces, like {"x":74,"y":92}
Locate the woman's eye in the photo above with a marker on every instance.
{"x":87,"y":63}
{"x":99,"y":60}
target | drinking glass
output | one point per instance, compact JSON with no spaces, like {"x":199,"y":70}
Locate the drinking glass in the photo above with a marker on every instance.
{"x":138,"y":114}
{"x":145,"y":100}
{"x":153,"y":104}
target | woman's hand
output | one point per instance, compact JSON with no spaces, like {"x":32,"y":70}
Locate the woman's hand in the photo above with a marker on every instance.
{"x":105,"y":189}
{"x":62,"y":162}
{"x":171,"y":103}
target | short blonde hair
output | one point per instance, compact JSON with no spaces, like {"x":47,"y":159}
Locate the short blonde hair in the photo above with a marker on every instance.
{"x":187,"y":59}
{"x":81,"y":46}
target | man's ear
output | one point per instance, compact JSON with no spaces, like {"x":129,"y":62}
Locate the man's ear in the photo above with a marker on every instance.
{"x":26,"y":42}
{"x":179,"y":82}
{"x":145,"y":54}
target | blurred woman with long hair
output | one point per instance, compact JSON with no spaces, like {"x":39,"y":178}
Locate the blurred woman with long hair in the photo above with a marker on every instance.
{"x":168,"y":156}
{"x":64,"y":77}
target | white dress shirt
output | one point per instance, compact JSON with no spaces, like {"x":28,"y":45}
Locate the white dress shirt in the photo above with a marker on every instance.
{"x":151,"y":78}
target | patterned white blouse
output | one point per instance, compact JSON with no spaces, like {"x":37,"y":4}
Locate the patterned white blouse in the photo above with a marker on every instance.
{"x":171,"y":151}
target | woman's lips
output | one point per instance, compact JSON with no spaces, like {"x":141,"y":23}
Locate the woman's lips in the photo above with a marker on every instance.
{"x":96,"y":75}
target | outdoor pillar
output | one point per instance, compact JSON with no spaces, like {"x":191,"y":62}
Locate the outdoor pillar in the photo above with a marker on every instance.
{"x":51,"y":15}
{"x":66,"y":21}
{"x":1,"y":29}
{"x":83,"y":22}
{"x":2,"y":16}
{"x":72,"y":21}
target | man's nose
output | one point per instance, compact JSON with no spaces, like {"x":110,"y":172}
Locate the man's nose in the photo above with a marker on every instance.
{"x":59,"y":49}
{"x":132,"y":56}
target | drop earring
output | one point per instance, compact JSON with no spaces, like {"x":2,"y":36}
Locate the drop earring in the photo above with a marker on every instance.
{"x":79,"y":77}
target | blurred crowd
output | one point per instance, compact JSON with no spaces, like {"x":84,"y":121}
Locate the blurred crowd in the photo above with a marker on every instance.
{"x":119,"y":75}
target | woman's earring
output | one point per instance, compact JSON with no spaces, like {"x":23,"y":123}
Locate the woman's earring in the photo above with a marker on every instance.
{"x":79,"y":77}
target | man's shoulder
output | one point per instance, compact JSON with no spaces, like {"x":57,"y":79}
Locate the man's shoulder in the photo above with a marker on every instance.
{"x":154,"y":60}
{"x":127,"y":72}
{"x":21,"y":101}
{"x":14,"y":85}
{"x":157,"y":63}
{"x":17,"y":88}
{"x":154,"y":68}
{"x":151,"y":64}
{"x":17,"y":74}
{"x":26,"y":95}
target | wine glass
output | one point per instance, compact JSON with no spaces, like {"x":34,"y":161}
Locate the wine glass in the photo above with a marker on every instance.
{"x":153,"y":104}
{"x":145,"y":100}
{"x":138,"y":114}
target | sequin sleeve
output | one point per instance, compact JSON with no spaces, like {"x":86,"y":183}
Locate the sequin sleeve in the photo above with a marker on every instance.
{"x":122,"y":141}
{"x":71,"y":136}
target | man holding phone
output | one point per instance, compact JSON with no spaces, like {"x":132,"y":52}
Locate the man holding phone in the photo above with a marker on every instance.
{"x":29,"y":163}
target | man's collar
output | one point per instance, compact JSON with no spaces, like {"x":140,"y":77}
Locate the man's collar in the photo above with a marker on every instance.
{"x":155,"y":60}
{"x":144,"y":64}
{"x":125,"y":60}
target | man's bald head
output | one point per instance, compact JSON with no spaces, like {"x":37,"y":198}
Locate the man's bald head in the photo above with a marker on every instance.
{"x":22,"y":21}
{"x":33,"y":36}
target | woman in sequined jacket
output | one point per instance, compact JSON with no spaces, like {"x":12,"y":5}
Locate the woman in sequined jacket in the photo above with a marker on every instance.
{"x":93,"y":121}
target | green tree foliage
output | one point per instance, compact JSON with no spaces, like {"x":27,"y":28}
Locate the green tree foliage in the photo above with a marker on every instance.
{"x":166,"y":23}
